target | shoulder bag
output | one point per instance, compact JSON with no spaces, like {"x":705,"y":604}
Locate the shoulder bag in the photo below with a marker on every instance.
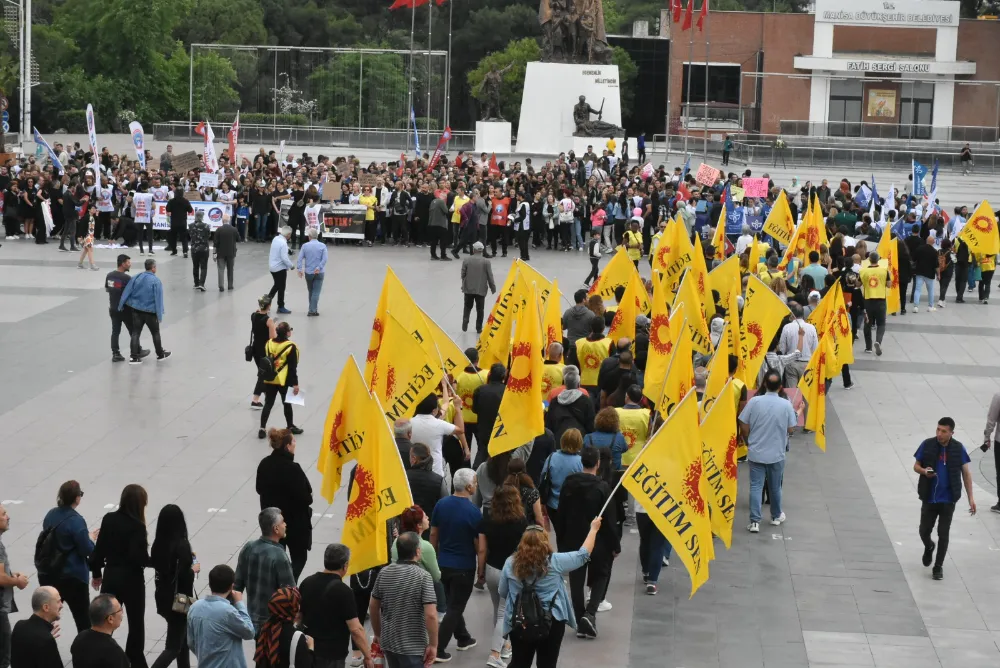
{"x":182,"y":602}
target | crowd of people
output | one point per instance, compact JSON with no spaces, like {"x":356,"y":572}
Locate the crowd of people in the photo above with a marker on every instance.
{"x":536,"y":527}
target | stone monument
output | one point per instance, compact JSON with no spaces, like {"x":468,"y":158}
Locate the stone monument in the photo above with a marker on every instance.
{"x":493,"y":131}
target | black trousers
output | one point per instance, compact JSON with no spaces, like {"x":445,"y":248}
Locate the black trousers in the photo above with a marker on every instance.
{"x":399,"y":230}
{"x":280,"y":278}
{"x":199,"y":267}
{"x":942,"y":514}
{"x":875,"y":310}
{"x":600,"y":577}
{"x":298,"y":555}
{"x":945,"y":282}
{"x":545,"y":652}
{"x":175,"y":647}
{"x":438,"y":236}
{"x":984,"y":285}
{"x":537,"y":233}
{"x":458,"y":588}
{"x":130,"y":590}
{"x":480,"y":302}
{"x":175,"y":233}
{"x":362,"y":584}
{"x":119,"y":318}
{"x":144,"y":231}
{"x":270,"y":393}
{"x":523,"y":236}
{"x":74,"y":594}
{"x":961,"y":280}
{"x":725,"y":157}
{"x":142,"y":319}
{"x":102,"y":230}
{"x":592,"y":276}
{"x":496,"y":233}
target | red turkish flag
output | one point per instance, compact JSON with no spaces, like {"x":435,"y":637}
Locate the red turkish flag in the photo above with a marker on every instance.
{"x":494,"y":169}
{"x":688,"y":15}
{"x":676,"y":7}
{"x":702,"y":15}
{"x":402,"y":166}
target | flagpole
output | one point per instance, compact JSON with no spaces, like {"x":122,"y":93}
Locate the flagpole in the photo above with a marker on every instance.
{"x":427,"y":112}
{"x":666,"y":130}
{"x":409,"y":83}
{"x":447,"y":68}
{"x":687,"y":95}
{"x":705,"y":138}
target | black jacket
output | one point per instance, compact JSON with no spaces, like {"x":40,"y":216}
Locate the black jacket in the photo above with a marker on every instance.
{"x":564,"y":414}
{"x":225,"y":241}
{"x":282,"y":483}
{"x":585,"y":493}
{"x":122,"y":544}
{"x":404,"y":445}
{"x":486,"y":404}
{"x":425,"y":486}
{"x":172,"y":566}
{"x":32,"y":645}
{"x":953,"y":460}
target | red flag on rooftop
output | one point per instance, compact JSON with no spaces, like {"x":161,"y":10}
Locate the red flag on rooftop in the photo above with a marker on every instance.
{"x":676,"y":7}
{"x":688,"y":15}
{"x":702,"y":15}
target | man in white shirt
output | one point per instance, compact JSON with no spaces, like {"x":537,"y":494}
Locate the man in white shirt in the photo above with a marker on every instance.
{"x":278,"y":262}
{"x":789,"y":343}
{"x":746,"y":238}
{"x":428,"y":429}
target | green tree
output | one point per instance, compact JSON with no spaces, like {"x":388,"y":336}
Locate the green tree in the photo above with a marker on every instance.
{"x":627,"y":72}
{"x":223,"y":22}
{"x":214,"y":90}
{"x":519,"y":53}
{"x":378,"y":93}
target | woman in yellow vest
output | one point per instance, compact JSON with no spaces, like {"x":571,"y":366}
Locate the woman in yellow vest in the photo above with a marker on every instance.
{"x":465,"y":386}
{"x":370,"y":201}
{"x":633,"y":240}
{"x":988,"y":265}
{"x":590,"y":352}
{"x":285,"y":354}
{"x":633,"y":420}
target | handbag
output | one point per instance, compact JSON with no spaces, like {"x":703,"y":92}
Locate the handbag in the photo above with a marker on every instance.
{"x":545,"y":484}
{"x":181,"y":602}
{"x":248,"y":351}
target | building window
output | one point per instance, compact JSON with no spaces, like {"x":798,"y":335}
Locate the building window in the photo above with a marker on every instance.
{"x":916,"y":110}
{"x":723,"y":96}
{"x":844,"y":118}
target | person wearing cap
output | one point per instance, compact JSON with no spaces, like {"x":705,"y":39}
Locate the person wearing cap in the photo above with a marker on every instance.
{"x":477,"y":276}
{"x":813,"y":302}
{"x":633,"y":240}
{"x":875,"y":283}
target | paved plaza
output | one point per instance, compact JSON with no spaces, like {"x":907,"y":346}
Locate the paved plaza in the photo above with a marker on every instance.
{"x":839,"y":584}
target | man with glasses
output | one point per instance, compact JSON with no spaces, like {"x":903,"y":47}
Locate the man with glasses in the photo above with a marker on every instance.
{"x":94,"y":647}
{"x":33,"y":643}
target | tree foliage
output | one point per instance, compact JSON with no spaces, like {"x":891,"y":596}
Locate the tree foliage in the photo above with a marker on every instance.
{"x":519,"y":53}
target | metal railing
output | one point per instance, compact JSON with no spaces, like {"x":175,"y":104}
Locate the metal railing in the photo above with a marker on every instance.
{"x":297,"y":135}
{"x":908,"y":131}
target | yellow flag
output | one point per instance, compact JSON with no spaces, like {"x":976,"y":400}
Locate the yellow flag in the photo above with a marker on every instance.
{"x":813,"y":388}
{"x":718,"y":376}
{"x":719,"y":445}
{"x":680,"y":374}
{"x":532,"y":275}
{"x":344,"y":429}
{"x":521,"y":417}
{"x":980,"y":231}
{"x":687,"y":294}
{"x":616,"y":274}
{"x":623,"y":324}
{"x":719,"y":238}
{"x":668,"y":479}
{"x":661,"y":341}
{"x":831,"y":318}
{"x":380,"y":491}
{"x":495,"y":341}
{"x":733,"y":337}
{"x":674,"y":254}
{"x":453,"y":358}
{"x":552,"y":328}
{"x":396,"y":299}
{"x":763,"y":312}
{"x":779,"y":224}
{"x":724,"y":279}
{"x":889,"y":257}
{"x":404,"y":373}
{"x":701,"y":281}
{"x":754,"y":258}
{"x":497,"y":317}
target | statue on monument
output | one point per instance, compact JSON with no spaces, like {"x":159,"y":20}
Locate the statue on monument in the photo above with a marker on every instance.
{"x":573,"y":32}
{"x":588,"y":128}
{"x":490,"y":89}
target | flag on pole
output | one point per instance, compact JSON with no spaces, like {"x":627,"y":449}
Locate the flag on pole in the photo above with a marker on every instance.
{"x":718,"y":375}
{"x":719,"y":446}
{"x":980,"y":231}
{"x":453,"y":359}
{"x":552,"y":329}
{"x":734,"y":338}
{"x":344,"y":429}
{"x":496,"y":331}
{"x":661,"y":339}
{"x":404,"y":373}
{"x":139,"y":142}
{"x":754,"y":259}
{"x":445,"y":136}
{"x":395,"y":298}
{"x":725,"y":278}
{"x":933,"y":196}
{"x":674,"y":254}
{"x":379,"y":492}
{"x":416,"y":135}
{"x":205,"y":130}
{"x":234,"y":139}
{"x":919,"y":172}
{"x":668,"y":479}
{"x":763,"y":312}
{"x":688,"y":15}
{"x":701,"y":17}
{"x":779,"y":224}
{"x":687,"y":294}
{"x":617,"y":273}
{"x":623,"y":324}
{"x":92,"y":136}
{"x":831,"y":318}
{"x":494,"y":169}
{"x":889,"y":257}
{"x":521,"y":416}
{"x":675,"y":8}
{"x":687,"y":163}
{"x":813,"y":388}
{"x":53,"y":156}
{"x":680,"y":371}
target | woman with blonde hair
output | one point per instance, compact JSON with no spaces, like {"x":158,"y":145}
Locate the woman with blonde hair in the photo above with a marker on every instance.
{"x":596,"y":304}
{"x":535,"y":571}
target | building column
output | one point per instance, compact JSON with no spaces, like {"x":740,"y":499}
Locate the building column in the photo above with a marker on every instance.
{"x":944,"y":107}
{"x":819,"y":103}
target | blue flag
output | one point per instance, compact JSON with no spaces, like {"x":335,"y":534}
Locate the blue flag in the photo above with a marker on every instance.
{"x":919,"y":172}
{"x":863,"y":197}
{"x":40,"y":140}
{"x":734,"y":214}
{"x":933,"y":195}
{"x":874,"y":191}
{"x":687,"y":168}
{"x":416,"y":135}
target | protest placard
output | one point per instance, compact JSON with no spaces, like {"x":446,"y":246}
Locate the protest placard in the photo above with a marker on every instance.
{"x":185,"y":162}
{"x":206,"y":180}
{"x":707,"y":175}
{"x":755,"y":187}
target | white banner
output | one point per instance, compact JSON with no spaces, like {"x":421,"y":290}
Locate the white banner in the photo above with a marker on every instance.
{"x":139,"y":141}
{"x":215,"y":214}
{"x":92,"y":131}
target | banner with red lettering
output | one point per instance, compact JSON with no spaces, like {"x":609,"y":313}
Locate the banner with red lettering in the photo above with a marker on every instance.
{"x":445,"y":136}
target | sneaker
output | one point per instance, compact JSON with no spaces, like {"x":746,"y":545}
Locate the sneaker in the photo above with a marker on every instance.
{"x":163,"y":356}
{"x":940,"y":304}
{"x":931,"y":308}
{"x":915,"y":309}
{"x":296,"y":430}
{"x":143,"y":352}
{"x":506,"y":651}
{"x":134,"y":360}
{"x":604,"y":606}
{"x":79,"y":266}
{"x":650,"y":589}
{"x":878,"y":348}
{"x":868,"y":351}
{"x":587,"y":627}
{"x":141,"y":253}
{"x":777,"y":521}
{"x":996,"y":508}
{"x":495,"y":662}
{"x":261,"y":434}
{"x":442,"y":657}
{"x":185,"y":254}
{"x":256,"y":406}
{"x":283,"y":311}
{"x":665,"y":562}
{"x":753,"y":527}
{"x":94,"y":267}
{"x":466,"y":645}
{"x":928,"y":554}
{"x":201,"y":287}
{"x":937,"y":573}
{"x":117,"y":357}
{"x":849,"y":387}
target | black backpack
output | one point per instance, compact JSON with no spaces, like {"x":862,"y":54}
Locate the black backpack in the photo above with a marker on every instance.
{"x":268,"y":365}
{"x":49,"y":559}
{"x":545,"y":484}
{"x":532,"y":620}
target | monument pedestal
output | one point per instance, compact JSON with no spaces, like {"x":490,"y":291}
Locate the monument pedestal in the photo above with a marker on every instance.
{"x":580,"y":145}
{"x":493,"y":137}
{"x":551,"y":90}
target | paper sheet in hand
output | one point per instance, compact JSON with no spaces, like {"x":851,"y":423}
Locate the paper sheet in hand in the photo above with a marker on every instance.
{"x":295,"y":399}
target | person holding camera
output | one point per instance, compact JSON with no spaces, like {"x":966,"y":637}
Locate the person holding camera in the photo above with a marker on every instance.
{"x":218,"y":624}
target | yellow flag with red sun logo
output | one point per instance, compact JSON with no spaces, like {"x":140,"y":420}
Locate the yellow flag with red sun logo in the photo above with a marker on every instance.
{"x":680,"y":373}
{"x":616,"y":274}
{"x":453,"y":358}
{"x":674,"y":254}
{"x":980,"y":231}
{"x":552,"y":329}
{"x":832,"y":319}
{"x":521,"y":417}
{"x":725,"y":279}
{"x":623,"y":324}
{"x":687,"y":294}
{"x":719,"y":445}
{"x":889,"y":258}
{"x":404,"y":372}
{"x":813,"y":388}
{"x":661,"y":339}
{"x":779,"y":224}
{"x":344,"y":429}
{"x":733,"y":336}
{"x":763,"y":312}
{"x":379,"y":491}
{"x":668,"y":479}
{"x":397,"y":300}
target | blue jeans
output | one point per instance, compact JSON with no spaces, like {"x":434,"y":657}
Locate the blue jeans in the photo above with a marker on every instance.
{"x":394,"y":660}
{"x":653,"y":547}
{"x":314,"y":283}
{"x":241,"y":227}
{"x":774,"y":473}
{"x":921,"y":282}
{"x":260,"y":226}
{"x":577,"y":239}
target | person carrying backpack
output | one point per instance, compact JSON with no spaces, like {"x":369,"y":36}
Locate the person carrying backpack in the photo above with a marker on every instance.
{"x":538,"y":606}
{"x":278,"y":370}
{"x":62,"y":550}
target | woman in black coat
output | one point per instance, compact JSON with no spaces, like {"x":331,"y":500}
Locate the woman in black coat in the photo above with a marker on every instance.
{"x":175,"y":566}
{"x":283,"y":484}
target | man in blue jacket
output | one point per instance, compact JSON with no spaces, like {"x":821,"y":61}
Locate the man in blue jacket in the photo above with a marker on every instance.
{"x":144,"y":295}
{"x":75,"y":544}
